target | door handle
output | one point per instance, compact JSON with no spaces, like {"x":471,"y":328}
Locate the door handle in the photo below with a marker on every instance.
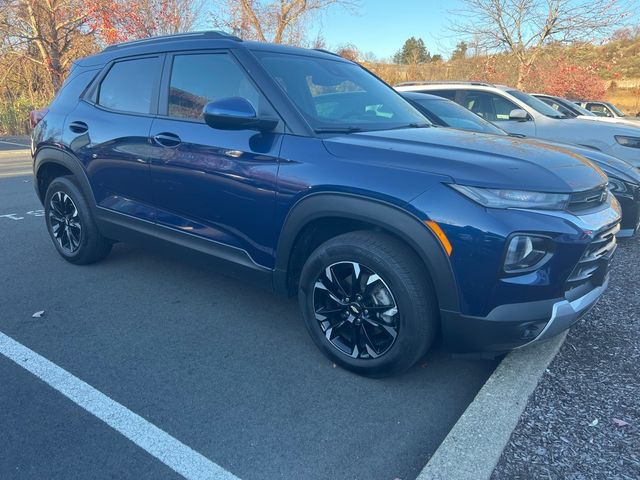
{"x":167,"y":139}
{"x":78,"y":127}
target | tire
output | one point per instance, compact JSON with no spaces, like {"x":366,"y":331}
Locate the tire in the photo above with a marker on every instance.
{"x":358,"y":333}
{"x":70,"y":223}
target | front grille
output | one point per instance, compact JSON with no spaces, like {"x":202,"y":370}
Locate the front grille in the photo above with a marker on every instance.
{"x":594,"y":263}
{"x":581,"y":201}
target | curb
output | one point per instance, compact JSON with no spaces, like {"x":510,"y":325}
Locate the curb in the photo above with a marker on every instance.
{"x":474,"y":445}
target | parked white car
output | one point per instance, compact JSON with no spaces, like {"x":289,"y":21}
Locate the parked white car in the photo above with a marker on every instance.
{"x":572,"y":109}
{"x":520,"y":113}
{"x":606,"y":110}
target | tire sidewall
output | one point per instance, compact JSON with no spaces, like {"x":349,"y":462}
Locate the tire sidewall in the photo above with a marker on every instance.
{"x":399,"y":356}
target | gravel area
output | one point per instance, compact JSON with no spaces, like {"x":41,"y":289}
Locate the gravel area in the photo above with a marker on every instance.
{"x":583,"y":420}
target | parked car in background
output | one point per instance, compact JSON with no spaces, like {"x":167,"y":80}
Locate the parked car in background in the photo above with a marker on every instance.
{"x":605,"y":109}
{"x":571,"y":109}
{"x":624,"y":180}
{"x":517,"y":112}
{"x":303,"y":172}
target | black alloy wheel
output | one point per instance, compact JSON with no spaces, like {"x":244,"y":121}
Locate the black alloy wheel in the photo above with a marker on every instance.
{"x":356,"y":310}
{"x":66,"y":227}
{"x":71,"y":225}
{"x":368,"y":303}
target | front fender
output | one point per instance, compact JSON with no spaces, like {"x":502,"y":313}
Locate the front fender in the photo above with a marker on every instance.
{"x":387,"y":216}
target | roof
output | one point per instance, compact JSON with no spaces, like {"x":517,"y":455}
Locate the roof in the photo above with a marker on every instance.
{"x":422,"y":96}
{"x":195,"y":41}
{"x":448,"y":82}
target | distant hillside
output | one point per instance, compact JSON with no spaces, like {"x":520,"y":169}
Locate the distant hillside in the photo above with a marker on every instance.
{"x":610,"y":71}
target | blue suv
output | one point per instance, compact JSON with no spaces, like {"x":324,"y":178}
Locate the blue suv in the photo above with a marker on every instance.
{"x":303,"y":172}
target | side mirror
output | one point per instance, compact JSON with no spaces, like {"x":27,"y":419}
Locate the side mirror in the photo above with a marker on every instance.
{"x":519,"y":115}
{"x":235,"y":113}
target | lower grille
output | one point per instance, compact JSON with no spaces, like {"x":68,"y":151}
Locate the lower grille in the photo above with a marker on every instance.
{"x":594,"y":263}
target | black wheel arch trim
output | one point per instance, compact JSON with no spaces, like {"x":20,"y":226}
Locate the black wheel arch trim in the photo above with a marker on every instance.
{"x":49,"y":154}
{"x":385,"y":215}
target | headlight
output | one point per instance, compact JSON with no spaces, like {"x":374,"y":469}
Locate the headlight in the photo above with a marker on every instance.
{"x":633,"y":142}
{"x":497,"y":198}
{"x":616,"y":186}
{"x":526,"y":252}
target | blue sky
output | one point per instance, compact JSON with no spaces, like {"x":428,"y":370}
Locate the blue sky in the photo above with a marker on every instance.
{"x":382,"y":26}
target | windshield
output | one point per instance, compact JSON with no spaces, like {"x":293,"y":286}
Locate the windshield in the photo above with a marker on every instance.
{"x":538,"y":105}
{"x":559,"y":106}
{"x":453,"y":115}
{"x":615,"y":109}
{"x":334,"y":95}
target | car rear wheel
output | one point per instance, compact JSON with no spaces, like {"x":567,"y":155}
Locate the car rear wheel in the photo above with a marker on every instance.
{"x":71,"y":225}
{"x":368,"y":303}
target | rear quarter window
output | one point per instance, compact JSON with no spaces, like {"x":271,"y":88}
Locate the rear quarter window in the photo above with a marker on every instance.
{"x":74,"y":87}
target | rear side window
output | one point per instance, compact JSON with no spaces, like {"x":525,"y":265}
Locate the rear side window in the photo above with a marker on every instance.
{"x":129,"y":86}
{"x":197,"y":79}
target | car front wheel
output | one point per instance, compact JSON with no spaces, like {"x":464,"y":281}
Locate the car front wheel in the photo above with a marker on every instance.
{"x":368,"y":303}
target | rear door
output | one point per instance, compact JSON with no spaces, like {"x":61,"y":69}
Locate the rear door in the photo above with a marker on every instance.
{"x":216,"y":184}
{"x":109,"y":132}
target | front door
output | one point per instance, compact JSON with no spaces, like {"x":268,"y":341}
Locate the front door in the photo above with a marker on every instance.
{"x":216,"y":184}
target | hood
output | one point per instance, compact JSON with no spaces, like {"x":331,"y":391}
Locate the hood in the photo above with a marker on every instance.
{"x":631,"y":122}
{"x":600,"y":128}
{"x":474,"y":159}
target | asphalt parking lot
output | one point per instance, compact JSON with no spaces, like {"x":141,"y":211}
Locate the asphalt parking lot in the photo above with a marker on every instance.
{"x":226,"y":369}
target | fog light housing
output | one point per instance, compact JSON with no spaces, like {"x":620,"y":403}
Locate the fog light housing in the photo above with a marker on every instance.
{"x":526,"y":252}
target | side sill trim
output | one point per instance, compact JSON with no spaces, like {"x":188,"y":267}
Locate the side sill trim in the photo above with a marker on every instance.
{"x":117,"y":224}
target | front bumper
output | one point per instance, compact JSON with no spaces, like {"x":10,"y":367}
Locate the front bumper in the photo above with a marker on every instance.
{"x":516,"y":325}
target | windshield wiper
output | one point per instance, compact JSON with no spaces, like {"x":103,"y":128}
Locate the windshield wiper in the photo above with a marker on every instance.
{"x":409,"y":125}
{"x":348,"y":129}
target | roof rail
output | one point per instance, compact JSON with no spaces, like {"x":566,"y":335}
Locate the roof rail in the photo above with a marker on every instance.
{"x":208,"y":34}
{"x":329,"y":52}
{"x":444,"y":82}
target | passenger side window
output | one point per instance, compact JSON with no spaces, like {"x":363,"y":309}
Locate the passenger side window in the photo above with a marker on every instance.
{"x":197,"y":79}
{"x":600,"y":110}
{"x":129,"y":85}
{"x":489,"y":106}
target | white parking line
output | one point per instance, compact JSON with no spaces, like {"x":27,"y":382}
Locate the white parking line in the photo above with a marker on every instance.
{"x":14,"y":143}
{"x":17,"y":173}
{"x":170,"y":451}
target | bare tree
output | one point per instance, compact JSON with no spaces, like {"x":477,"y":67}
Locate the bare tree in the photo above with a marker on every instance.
{"x":277,"y":21}
{"x":45,"y":32}
{"x":524,"y":27}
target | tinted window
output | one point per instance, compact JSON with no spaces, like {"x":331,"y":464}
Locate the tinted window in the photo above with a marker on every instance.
{"x":129,"y":86}
{"x":334,"y":94}
{"x":489,"y":106}
{"x":599,"y":109}
{"x":201,"y":78}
